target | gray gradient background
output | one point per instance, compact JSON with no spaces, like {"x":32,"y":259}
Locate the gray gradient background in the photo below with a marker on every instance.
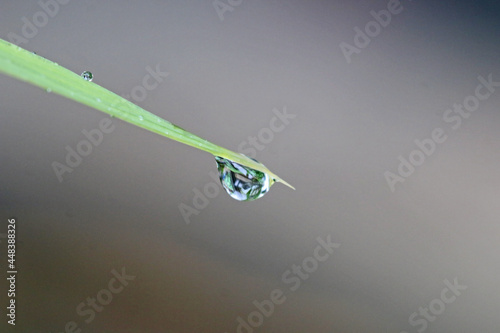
{"x":119,"y":208}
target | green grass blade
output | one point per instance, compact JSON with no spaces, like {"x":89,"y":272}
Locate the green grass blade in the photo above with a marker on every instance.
{"x":29,"y":67}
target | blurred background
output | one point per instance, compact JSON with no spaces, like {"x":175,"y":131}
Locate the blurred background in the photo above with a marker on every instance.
{"x":136,"y":236}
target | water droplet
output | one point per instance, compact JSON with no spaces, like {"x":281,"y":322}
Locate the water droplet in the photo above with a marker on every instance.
{"x":87,"y":75}
{"x":241,"y":182}
{"x":33,"y":53}
{"x":48,"y":90}
{"x":141,"y":118}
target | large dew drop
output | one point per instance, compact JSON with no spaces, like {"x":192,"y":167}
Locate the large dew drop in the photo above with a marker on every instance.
{"x":240,"y":182}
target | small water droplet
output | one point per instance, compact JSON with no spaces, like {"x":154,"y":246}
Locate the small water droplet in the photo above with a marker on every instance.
{"x":141,"y":118}
{"x":33,"y":53}
{"x":87,"y":75}
{"x":98,"y":100}
{"x":241,"y":182}
{"x":48,"y":90}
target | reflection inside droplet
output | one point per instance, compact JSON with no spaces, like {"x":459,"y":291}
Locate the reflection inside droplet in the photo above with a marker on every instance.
{"x":241,"y":182}
{"x":87,"y":75}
